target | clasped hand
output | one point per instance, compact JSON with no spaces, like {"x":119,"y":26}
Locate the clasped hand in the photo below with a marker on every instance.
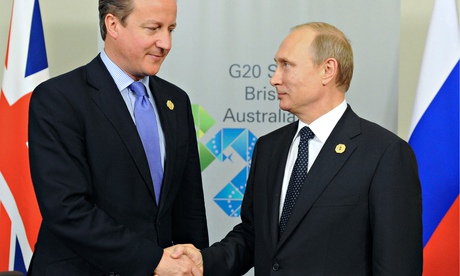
{"x":182,"y":259}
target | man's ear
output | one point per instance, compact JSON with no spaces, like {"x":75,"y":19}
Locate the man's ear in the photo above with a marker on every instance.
{"x":112,"y":24}
{"x":330,"y":70}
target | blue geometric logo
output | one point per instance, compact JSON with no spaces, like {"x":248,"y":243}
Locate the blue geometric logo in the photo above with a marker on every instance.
{"x":227,"y":145}
{"x":231,"y":197}
{"x":239,"y":139}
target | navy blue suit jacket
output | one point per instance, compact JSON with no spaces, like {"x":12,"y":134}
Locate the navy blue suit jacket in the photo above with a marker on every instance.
{"x":358,"y":212}
{"x":92,"y":179}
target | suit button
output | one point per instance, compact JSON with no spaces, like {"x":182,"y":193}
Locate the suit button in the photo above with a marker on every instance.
{"x":276,"y":267}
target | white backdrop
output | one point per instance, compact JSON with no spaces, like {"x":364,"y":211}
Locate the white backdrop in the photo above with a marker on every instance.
{"x":223,"y":57}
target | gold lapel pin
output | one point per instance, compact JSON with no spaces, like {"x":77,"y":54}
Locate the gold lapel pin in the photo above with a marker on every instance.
{"x":340,"y":148}
{"x":170,"y":104}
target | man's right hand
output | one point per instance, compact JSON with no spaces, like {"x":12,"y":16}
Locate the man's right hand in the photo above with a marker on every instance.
{"x":180,"y":263}
{"x":187,"y":250}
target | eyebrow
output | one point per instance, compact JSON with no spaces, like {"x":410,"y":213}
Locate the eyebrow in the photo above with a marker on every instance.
{"x":153,"y":21}
{"x":280,"y":60}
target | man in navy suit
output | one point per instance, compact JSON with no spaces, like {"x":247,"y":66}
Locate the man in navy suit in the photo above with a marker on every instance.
{"x":358,"y":211}
{"x":101,"y":214}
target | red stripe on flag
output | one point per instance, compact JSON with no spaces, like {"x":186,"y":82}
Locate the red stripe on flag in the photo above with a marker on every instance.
{"x":5,"y":239}
{"x":9,"y":36}
{"x":441,"y":253}
{"x":14,"y":162}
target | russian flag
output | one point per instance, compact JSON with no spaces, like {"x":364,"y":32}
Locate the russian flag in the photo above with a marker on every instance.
{"x":26,"y":66}
{"x":434,"y":136}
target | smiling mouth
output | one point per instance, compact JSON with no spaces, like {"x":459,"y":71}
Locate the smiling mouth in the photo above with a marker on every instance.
{"x":158,"y":54}
{"x":157,"y":57}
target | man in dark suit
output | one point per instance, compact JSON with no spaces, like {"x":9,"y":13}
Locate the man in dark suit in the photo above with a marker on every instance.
{"x":92,"y":176}
{"x":357,"y":211}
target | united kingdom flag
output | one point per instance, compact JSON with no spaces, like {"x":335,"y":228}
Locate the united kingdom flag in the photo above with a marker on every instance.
{"x":25,"y":67}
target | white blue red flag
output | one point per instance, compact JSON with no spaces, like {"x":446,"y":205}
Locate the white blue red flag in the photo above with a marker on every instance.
{"x":25,"y":67}
{"x":434,"y":136}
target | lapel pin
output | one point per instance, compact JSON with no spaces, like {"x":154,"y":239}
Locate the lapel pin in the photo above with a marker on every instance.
{"x":340,"y":148}
{"x":170,"y":104}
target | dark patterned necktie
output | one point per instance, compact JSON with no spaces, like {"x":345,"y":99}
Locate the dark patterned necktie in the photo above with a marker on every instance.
{"x":299,"y":172}
{"x":146,"y":124}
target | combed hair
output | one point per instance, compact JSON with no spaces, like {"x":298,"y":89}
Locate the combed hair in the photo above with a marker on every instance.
{"x":119,"y":8}
{"x":330,"y":42}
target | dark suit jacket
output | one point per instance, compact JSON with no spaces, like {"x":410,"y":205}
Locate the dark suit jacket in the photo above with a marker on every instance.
{"x":92,"y":179}
{"x":358,"y":212}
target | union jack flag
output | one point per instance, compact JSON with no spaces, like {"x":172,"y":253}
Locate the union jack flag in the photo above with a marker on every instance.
{"x":26,"y":66}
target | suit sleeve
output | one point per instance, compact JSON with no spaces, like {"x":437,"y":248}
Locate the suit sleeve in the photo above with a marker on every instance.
{"x":62,"y":181}
{"x":395,"y":211}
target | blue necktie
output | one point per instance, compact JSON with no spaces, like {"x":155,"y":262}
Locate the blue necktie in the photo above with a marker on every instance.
{"x":146,"y":123}
{"x":299,"y":172}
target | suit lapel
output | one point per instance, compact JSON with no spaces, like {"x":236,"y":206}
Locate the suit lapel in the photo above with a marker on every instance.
{"x":276,"y":174}
{"x":326,"y":166}
{"x":105,"y":94}
{"x":168,"y":121}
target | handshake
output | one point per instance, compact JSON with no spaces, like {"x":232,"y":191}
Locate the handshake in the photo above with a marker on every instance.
{"x":182,"y":259}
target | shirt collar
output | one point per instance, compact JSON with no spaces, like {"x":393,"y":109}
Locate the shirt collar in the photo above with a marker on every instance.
{"x":323,"y":126}
{"x":122,"y":80}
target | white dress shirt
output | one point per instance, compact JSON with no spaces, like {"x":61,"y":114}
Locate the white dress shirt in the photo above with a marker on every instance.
{"x":322,"y":128}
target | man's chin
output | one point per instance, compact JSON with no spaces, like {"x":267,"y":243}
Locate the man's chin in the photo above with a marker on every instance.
{"x":152,"y":71}
{"x":284,"y":107}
